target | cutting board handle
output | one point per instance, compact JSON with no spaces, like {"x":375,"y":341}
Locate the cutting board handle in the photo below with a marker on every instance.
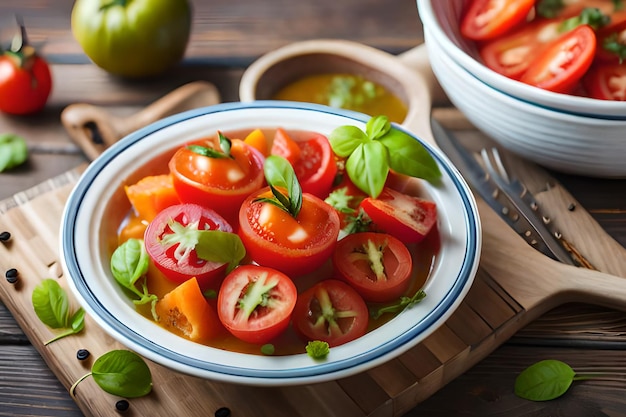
{"x":94,"y":129}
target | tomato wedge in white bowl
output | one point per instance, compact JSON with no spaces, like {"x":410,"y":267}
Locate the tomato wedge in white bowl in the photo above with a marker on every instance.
{"x":98,"y":206}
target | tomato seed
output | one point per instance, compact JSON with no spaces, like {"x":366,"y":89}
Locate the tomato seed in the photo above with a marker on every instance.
{"x":5,"y":236}
{"x":82,"y":354}
{"x":122,"y":405}
{"x":222,"y":412}
{"x":11,"y":275}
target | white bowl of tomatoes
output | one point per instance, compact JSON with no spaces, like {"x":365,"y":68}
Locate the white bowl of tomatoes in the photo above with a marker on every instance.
{"x":253,"y":243}
{"x":547,"y":88}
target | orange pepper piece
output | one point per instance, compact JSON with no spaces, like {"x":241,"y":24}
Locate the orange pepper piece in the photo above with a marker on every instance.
{"x":257,"y":140}
{"x":152,"y":194}
{"x":186,"y":311}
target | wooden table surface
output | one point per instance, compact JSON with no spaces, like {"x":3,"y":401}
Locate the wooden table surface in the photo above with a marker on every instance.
{"x":227,"y":36}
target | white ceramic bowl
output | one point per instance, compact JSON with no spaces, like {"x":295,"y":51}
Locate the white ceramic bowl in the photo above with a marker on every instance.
{"x":97,"y":205}
{"x":570,"y":134}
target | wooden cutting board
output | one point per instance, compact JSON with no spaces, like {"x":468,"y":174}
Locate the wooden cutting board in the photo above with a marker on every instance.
{"x":515,"y":284}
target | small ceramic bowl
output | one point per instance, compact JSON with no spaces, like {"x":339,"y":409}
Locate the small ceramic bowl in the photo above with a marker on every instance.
{"x":97,"y":206}
{"x":569,"y":134}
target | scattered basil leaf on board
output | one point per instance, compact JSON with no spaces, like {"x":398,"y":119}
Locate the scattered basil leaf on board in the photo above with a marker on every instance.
{"x":546,"y":380}
{"x":381,"y":148}
{"x":120,"y":372}
{"x":52,"y":307}
{"x":13,"y":151}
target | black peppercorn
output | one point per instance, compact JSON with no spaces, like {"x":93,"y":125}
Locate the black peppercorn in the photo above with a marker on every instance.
{"x":222,"y":412}
{"x":122,"y":405}
{"x":5,"y":236}
{"x":11,"y":275}
{"x":82,"y":354}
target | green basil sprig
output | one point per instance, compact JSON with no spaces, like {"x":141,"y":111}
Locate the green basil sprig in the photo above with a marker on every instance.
{"x":403,"y":302}
{"x":546,"y":380}
{"x":280,"y":174}
{"x":120,"y":372}
{"x":13,"y":151}
{"x":371,"y":154}
{"x":52,"y":306}
{"x":130,"y":262}
{"x":224,"y":152}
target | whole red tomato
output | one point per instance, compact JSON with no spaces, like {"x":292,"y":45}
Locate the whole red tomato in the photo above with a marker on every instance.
{"x":25,"y":81}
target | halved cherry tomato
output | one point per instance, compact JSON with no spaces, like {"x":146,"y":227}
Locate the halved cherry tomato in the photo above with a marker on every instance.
{"x":377,"y":265}
{"x":606,"y":81}
{"x":511,"y":53}
{"x":562,"y":64}
{"x":486,"y":19}
{"x":316,"y":167}
{"x":255,"y":303}
{"x":284,"y":145}
{"x":170,"y":243}
{"x":186,"y":310}
{"x":330,"y":311}
{"x":406,"y":217}
{"x":295,"y":246}
{"x":220,"y":183}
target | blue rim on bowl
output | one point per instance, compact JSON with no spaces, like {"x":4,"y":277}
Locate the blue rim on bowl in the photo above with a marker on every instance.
{"x":85,"y":255}
{"x":441,"y":18}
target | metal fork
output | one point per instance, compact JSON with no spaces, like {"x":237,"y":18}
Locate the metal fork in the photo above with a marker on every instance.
{"x":526,"y":217}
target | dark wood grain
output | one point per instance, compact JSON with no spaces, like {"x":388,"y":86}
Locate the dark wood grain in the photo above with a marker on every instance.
{"x":228,"y":35}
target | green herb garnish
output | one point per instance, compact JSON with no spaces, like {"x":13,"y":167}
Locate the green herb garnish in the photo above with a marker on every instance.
{"x":612,"y":44}
{"x":13,"y":151}
{"x":268,"y":349}
{"x":52,"y":306}
{"x":404,"y":302}
{"x":317,"y":349}
{"x":120,"y":372}
{"x":546,"y":380}
{"x":371,"y":154}
{"x":588,"y":16}
{"x":355,"y":220}
{"x":280,"y":176}
{"x":223,"y":152}
{"x":549,"y":8}
{"x":130,"y":262}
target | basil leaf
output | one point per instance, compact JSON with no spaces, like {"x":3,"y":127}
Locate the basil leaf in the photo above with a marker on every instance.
{"x":129,"y":262}
{"x":279,"y":173}
{"x":206,"y":151}
{"x":409,"y":157}
{"x":377,"y":127}
{"x":122,"y":373}
{"x":219,"y":246}
{"x":77,"y":321}
{"x":368,"y":167}
{"x":345,"y":139}
{"x":544,"y":380}
{"x":13,"y":151}
{"x":51,"y":304}
{"x":225,"y":144}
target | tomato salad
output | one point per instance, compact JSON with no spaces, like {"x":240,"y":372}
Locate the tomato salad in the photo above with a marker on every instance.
{"x":278,"y":238}
{"x":566,"y":46}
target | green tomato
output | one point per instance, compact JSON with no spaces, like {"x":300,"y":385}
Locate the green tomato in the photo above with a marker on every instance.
{"x":132,"y":38}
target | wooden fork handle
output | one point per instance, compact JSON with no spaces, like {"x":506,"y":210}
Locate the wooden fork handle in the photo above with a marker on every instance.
{"x":94,"y":129}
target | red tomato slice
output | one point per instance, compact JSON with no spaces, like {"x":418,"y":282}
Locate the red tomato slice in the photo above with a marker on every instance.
{"x":377,"y":265}
{"x":606,"y":81}
{"x":316,"y":167}
{"x":330,"y":311}
{"x":486,"y":19}
{"x":615,"y":33}
{"x":177,"y":258}
{"x":295,"y":246}
{"x":511,"y":54}
{"x":218,"y":183}
{"x":406,"y":217}
{"x":283,"y":145}
{"x":562,"y":64}
{"x":255,"y":303}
